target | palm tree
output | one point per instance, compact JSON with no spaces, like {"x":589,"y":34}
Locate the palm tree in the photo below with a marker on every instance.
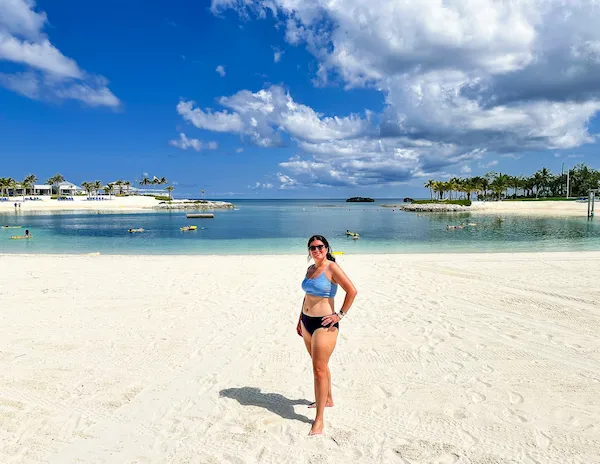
{"x":170,"y":190}
{"x":88,"y":187}
{"x":440,"y":188}
{"x":145,"y":181}
{"x":127,"y":184}
{"x":119,"y":185}
{"x":516,"y":182}
{"x":429,"y":185}
{"x":56,"y":180}
{"x":97,"y":185}
{"x":109,"y":188}
{"x":470,"y":186}
{"x":28,"y":183}
{"x":4,"y":182}
{"x":202,"y":192}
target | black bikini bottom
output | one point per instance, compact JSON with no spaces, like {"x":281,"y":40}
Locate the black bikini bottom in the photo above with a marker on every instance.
{"x":313,"y":323}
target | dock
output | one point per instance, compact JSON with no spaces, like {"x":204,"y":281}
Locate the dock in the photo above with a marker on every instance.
{"x":200,"y":215}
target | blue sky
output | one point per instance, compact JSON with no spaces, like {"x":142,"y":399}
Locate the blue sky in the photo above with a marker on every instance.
{"x":287,"y":99}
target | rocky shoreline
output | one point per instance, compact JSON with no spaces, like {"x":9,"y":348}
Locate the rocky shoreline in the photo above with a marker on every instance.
{"x":194,"y":204}
{"x":430,"y":208}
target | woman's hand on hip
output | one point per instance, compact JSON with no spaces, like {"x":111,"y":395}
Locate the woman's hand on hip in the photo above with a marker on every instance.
{"x":330,"y":320}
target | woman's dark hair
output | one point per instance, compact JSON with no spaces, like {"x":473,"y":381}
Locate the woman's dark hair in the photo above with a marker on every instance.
{"x":325,"y":242}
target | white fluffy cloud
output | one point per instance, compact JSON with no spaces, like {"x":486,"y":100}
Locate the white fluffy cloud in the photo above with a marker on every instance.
{"x":184,"y":143}
{"x":220,"y":70}
{"x":48,"y":73}
{"x":265,"y":115}
{"x":459,"y":78}
{"x":286,"y":182}
{"x":261,"y":186}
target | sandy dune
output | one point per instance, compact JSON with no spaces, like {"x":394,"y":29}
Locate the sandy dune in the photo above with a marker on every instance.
{"x":490,"y":358}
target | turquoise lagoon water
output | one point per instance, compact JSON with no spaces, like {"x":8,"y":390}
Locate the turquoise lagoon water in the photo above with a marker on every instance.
{"x":283,"y":226}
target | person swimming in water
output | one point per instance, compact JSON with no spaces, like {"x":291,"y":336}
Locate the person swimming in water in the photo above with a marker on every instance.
{"x":318,"y":323}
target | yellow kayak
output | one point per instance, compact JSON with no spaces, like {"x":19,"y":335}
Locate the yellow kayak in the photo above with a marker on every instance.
{"x":131,"y":231}
{"x":188,"y":228}
{"x":18,"y":237}
{"x":12,"y":227}
{"x":352,"y":234}
{"x":337,"y":252}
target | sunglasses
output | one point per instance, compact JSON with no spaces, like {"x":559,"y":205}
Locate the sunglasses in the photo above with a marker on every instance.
{"x":316,"y":247}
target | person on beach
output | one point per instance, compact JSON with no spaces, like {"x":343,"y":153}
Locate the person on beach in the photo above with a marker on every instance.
{"x":318,"y":323}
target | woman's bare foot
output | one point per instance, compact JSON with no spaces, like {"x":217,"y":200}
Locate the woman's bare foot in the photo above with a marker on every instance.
{"x":317,"y":428}
{"x":329,"y":404}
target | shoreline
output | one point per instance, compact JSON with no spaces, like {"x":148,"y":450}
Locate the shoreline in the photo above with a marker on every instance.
{"x":131,"y":203}
{"x":571,"y":208}
{"x":149,"y":204}
{"x":409,"y":255}
{"x":198,"y":359}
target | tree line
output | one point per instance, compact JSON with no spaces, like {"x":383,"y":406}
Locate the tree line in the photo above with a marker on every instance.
{"x":495,"y":186}
{"x":8,"y":183}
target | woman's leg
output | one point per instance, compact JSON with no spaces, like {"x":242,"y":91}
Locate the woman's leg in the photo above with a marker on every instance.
{"x":323,"y":343}
{"x":307,"y":341}
{"x":307,"y":338}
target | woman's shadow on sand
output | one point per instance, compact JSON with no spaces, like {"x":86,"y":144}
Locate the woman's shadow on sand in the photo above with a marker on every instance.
{"x":274,"y":402}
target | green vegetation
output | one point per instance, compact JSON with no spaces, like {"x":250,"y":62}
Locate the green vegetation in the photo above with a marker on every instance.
{"x":159,"y":198}
{"x":442,"y":202}
{"x":542,"y":184}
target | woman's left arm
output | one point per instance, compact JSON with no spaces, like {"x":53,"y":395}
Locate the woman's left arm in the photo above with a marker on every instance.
{"x":340,"y":277}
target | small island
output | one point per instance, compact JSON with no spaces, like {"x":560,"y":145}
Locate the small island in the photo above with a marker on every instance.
{"x":360,"y":200}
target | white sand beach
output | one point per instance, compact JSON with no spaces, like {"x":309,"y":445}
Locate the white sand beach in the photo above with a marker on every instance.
{"x":129,"y":203}
{"x":489,"y":358}
{"x":533,"y":208}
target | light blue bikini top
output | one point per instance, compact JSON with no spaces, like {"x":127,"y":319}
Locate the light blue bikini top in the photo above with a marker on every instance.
{"x":320,"y":286}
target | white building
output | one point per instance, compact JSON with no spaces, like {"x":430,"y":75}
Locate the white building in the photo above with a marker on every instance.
{"x":39,"y":189}
{"x":66,"y":189}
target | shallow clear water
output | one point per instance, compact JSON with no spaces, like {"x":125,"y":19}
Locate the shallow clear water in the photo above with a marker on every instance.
{"x":283,"y":227}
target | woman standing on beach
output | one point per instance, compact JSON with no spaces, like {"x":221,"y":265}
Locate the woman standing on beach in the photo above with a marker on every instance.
{"x":318,"y":323}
